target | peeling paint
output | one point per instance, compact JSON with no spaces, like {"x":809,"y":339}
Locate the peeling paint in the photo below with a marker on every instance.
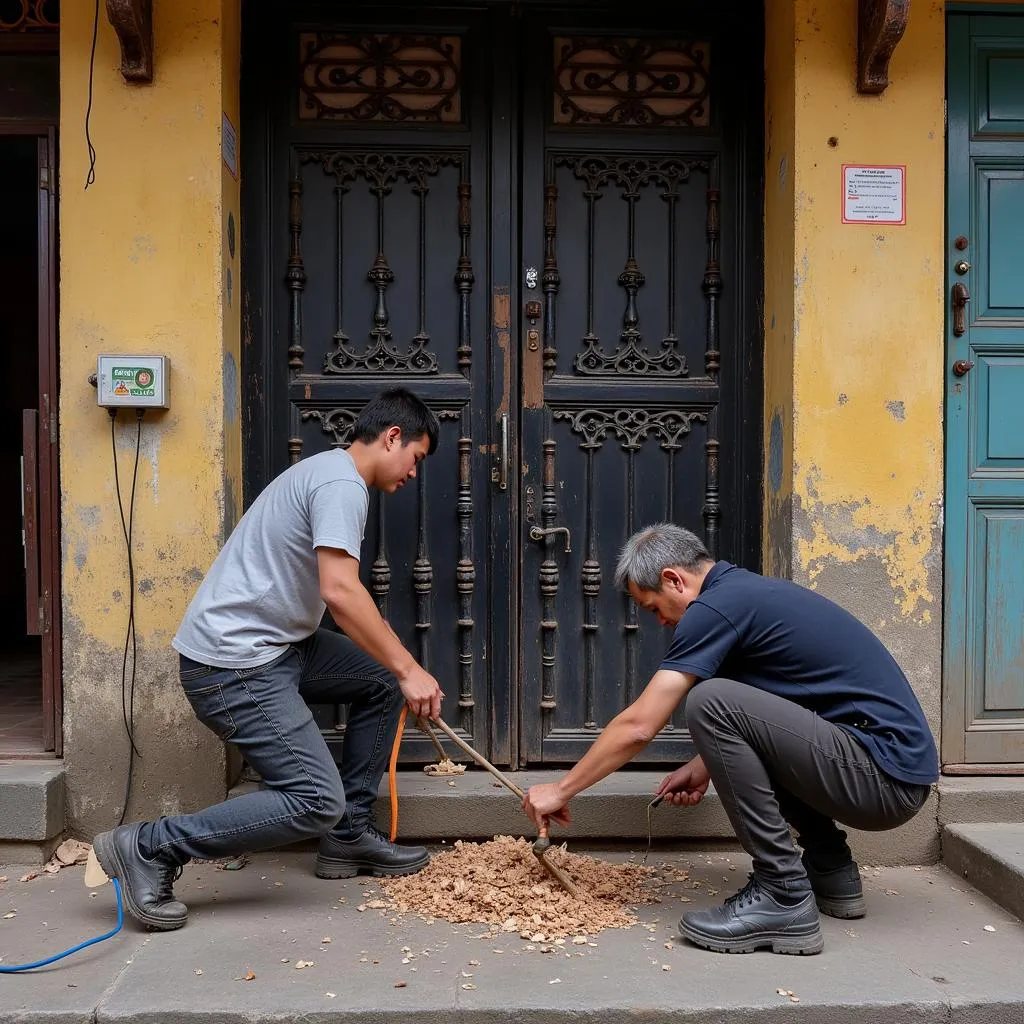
{"x":142,"y":268}
{"x":897,"y":409}
{"x":830,"y":533}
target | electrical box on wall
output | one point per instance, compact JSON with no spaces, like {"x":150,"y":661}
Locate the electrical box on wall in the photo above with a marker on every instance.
{"x":132,"y":382}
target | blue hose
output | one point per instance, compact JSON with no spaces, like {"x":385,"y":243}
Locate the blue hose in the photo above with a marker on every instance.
{"x":17,"y":969}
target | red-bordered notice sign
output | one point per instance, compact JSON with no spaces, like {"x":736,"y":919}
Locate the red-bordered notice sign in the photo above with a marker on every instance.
{"x":874,"y":194}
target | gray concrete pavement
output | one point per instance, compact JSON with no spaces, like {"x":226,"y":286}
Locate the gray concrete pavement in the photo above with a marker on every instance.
{"x":922,"y":954}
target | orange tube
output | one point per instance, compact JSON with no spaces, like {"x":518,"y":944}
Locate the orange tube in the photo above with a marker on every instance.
{"x":392,"y":769}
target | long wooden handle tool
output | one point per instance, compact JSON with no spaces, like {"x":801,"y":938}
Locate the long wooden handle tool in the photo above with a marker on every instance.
{"x":424,"y":724}
{"x":479,"y":758}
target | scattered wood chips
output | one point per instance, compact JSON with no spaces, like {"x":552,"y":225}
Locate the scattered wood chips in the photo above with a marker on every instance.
{"x":445,"y":767}
{"x":500,"y":883}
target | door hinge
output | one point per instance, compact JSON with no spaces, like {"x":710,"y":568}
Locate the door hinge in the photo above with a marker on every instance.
{"x":46,"y":179}
{"x":42,"y":619}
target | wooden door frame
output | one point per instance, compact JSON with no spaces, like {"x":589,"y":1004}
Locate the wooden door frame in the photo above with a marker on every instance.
{"x":45,"y":132}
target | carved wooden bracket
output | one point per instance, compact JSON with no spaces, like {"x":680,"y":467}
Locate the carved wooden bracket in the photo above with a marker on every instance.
{"x":881,"y":24}
{"x":133,"y":23}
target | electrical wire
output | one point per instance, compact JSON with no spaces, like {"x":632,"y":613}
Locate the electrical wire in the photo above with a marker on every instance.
{"x":130,"y":638}
{"x":18,"y":968}
{"x":91,"y":176}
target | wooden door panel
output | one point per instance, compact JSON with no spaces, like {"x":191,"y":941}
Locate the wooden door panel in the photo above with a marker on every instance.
{"x":983,"y":721}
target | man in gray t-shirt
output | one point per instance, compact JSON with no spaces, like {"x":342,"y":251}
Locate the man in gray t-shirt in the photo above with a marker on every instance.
{"x":253,"y":654}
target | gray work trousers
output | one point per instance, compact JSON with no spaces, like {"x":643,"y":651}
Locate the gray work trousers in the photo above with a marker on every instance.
{"x":775,"y":764}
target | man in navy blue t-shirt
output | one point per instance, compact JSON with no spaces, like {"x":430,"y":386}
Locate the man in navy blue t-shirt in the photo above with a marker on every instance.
{"x":801,"y":718}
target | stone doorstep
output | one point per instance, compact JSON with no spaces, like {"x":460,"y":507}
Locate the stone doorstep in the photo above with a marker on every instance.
{"x":991,"y":857}
{"x":477,"y":807}
{"x":31,"y":801}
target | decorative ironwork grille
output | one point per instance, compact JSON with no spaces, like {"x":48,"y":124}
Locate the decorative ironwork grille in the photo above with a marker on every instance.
{"x":638,"y":82}
{"x":348,"y":77}
{"x":29,"y":15}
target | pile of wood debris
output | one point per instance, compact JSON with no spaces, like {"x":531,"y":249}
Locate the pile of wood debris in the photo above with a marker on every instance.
{"x":501,"y":884}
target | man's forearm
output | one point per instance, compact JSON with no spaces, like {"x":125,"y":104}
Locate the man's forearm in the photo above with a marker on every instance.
{"x":355,"y":612}
{"x":618,"y":744}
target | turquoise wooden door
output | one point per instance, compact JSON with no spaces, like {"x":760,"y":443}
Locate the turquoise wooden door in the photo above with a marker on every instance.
{"x":983,"y":721}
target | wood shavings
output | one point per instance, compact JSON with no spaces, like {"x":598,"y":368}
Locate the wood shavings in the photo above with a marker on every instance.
{"x":501,"y":884}
{"x":71,"y":851}
{"x":445,"y":767}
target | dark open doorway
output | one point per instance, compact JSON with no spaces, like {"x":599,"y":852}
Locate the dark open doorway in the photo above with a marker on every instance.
{"x":21,"y":692}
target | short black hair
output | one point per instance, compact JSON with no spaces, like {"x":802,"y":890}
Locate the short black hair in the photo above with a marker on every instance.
{"x":396,"y":407}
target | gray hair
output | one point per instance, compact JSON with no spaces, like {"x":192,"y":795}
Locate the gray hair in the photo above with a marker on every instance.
{"x":655,"y":548}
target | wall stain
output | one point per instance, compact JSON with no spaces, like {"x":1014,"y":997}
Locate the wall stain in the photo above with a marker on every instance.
{"x":897,"y":409}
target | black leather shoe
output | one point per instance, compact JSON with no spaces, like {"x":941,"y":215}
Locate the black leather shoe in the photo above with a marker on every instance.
{"x":372,"y":853}
{"x":840,"y":892}
{"x":755,"y":919}
{"x":146,"y":885}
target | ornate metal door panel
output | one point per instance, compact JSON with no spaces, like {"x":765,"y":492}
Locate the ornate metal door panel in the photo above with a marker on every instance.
{"x":635,"y":388}
{"x":374,"y":269}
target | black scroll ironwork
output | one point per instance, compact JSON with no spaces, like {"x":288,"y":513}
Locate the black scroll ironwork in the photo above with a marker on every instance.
{"x":631,"y":357}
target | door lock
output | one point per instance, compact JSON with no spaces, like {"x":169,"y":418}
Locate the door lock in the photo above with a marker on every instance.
{"x":962,"y":267}
{"x":531,"y":277}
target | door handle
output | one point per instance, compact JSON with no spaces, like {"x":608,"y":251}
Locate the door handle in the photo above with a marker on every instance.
{"x":537,"y":533}
{"x":503,"y":456}
{"x":962,"y":367}
{"x":960,"y":297}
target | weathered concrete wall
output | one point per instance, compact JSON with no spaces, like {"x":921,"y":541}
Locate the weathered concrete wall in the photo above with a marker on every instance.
{"x":144,"y":268}
{"x":854,"y":331}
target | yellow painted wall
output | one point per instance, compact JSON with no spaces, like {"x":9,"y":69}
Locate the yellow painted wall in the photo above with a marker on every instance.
{"x":143,"y":268}
{"x":854,"y":329}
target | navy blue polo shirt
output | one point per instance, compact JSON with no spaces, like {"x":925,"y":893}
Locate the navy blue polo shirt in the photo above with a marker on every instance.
{"x":792,"y":642}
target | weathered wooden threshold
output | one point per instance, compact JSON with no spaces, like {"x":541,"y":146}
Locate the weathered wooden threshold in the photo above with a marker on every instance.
{"x":983,"y":769}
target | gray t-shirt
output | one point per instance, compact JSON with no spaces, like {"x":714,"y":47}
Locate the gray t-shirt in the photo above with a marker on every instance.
{"x":263,"y":590}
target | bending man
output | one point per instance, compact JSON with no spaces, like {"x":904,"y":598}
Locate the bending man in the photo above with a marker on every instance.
{"x":800,"y":717}
{"x":253,"y":654}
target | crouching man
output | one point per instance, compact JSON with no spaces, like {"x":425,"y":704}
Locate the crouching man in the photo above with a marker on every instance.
{"x":253,"y":656}
{"x":800,"y":717}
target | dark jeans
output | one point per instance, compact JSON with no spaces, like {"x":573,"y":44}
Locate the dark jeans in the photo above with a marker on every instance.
{"x":775,"y":765}
{"x":264,"y":712}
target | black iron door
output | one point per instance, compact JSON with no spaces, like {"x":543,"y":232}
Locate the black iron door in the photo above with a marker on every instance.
{"x":637,"y":362}
{"x":544,"y":224}
{"x":373,"y":154}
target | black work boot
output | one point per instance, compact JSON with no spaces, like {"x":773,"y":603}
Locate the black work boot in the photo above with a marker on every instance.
{"x":756,"y":919}
{"x":371,"y":853}
{"x":146,"y":885}
{"x":839,"y":892}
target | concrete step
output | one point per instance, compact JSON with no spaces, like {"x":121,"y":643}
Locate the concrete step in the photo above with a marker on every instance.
{"x":991,"y":857}
{"x":921,"y":955}
{"x":474,"y":806}
{"x":980,"y":799}
{"x":31,"y":810}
